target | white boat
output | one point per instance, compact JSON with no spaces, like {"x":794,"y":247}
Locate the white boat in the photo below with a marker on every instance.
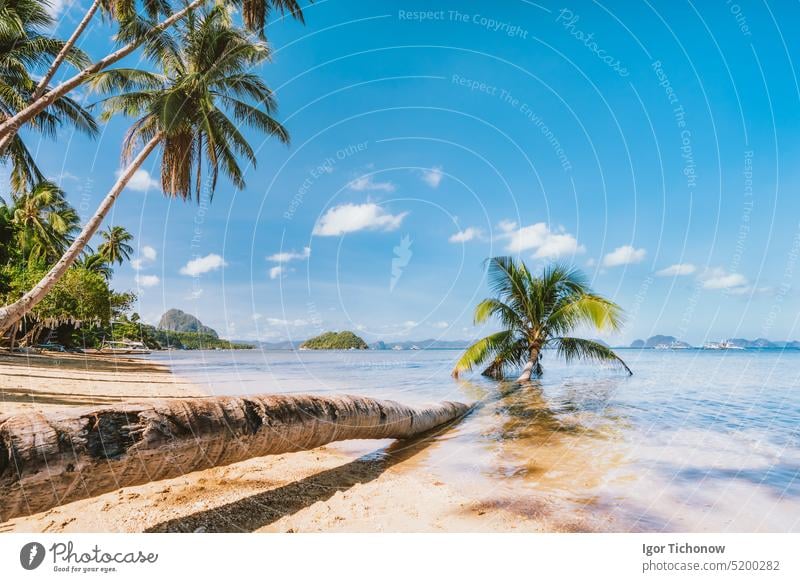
{"x":726,"y":345}
{"x":723,"y":345}
{"x":124,"y":347}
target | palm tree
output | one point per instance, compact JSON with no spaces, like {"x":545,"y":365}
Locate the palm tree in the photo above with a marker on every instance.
{"x":135,"y":32}
{"x":109,"y":454}
{"x":45,"y":222}
{"x":115,"y":247}
{"x":96,"y":263}
{"x":191,"y":110}
{"x":24,"y":46}
{"x":537,"y":313}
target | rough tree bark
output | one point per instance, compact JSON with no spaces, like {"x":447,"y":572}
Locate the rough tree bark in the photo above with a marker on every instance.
{"x":533,"y":367}
{"x":51,"y":459}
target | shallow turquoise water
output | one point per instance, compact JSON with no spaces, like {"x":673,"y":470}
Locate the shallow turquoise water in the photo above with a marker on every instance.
{"x":694,"y":441}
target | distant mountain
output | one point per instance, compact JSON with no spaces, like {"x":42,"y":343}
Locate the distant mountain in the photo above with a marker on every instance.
{"x":177,"y":320}
{"x":426,"y":344}
{"x":659,"y":340}
{"x":332,"y":340}
{"x":756,"y":343}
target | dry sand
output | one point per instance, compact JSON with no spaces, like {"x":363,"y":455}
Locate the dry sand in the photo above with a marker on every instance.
{"x":328,"y":489}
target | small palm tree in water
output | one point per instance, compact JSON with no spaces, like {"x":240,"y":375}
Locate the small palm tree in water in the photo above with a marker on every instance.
{"x":538,"y":313}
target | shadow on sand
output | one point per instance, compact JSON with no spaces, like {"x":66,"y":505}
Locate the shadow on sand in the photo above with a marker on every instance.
{"x":262,"y":509}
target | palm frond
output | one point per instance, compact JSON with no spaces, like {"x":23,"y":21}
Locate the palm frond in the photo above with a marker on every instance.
{"x":572,"y":348}
{"x":483,"y":350}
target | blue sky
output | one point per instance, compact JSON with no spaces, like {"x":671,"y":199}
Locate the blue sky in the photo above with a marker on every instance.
{"x":650,"y":144}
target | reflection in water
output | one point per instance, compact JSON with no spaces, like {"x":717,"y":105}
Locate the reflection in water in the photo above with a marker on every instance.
{"x":694,"y":441}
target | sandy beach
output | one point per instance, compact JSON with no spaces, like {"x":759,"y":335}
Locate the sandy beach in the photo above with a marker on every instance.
{"x":352,"y":487}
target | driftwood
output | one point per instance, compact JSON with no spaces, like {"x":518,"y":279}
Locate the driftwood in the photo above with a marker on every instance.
{"x":51,"y":459}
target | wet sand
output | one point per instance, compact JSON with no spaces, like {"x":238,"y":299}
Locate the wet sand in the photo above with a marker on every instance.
{"x":369,"y":486}
{"x":48,"y":382}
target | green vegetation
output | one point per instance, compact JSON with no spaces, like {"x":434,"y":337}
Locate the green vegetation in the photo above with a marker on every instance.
{"x":154,"y":338}
{"x":332,"y":340}
{"x":536,"y":313}
{"x":195,"y":92}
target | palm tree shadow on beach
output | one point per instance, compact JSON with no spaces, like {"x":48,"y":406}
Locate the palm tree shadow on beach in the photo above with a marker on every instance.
{"x":262,"y":509}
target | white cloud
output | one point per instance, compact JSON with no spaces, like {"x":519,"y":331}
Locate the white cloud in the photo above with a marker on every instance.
{"x":441,"y":325}
{"x":141,"y":181}
{"x":677,"y":270}
{"x":354,"y":217}
{"x":364,"y":183}
{"x":201,"y":265}
{"x":149,"y":253}
{"x":410,"y":323}
{"x":285,"y":257}
{"x":719,"y":278}
{"x":56,"y":7}
{"x":506,"y":225}
{"x":539,"y":236}
{"x":147,"y":280}
{"x":466,"y":235}
{"x":433,"y":177}
{"x":276,"y":272}
{"x":624,"y":255}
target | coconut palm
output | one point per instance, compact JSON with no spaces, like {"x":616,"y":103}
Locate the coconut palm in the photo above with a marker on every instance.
{"x":45,"y":222}
{"x":192,"y":110}
{"x":537,"y":313}
{"x":135,"y":32}
{"x":25,"y":47}
{"x":96,"y":263}
{"x":115,"y":247}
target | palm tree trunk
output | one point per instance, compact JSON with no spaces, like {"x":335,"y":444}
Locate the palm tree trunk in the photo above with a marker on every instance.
{"x":10,"y":126}
{"x":10,"y":314}
{"x":532,"y":367}
{"x":51,"y":459}
{"x":65,"y":50}
{"x":62,"y":54}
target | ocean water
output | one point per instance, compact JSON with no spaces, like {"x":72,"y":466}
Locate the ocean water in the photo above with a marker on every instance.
{"x":693,"y":441}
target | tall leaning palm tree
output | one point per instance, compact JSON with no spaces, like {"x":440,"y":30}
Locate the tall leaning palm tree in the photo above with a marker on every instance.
{"x":26,"y":47}
{"x":115,"y":247}
{"x":538,"y":313}
{"x":135,"y":32}
{"x":191,"y":110}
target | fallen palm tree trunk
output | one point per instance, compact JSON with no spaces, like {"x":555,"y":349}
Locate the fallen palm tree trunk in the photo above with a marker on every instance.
{"x":51,"y":459}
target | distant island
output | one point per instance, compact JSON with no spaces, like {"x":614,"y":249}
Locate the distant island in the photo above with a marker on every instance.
{"x":177,"y":320}
{"x":426,"y":344}
{"x":660,"y":341}
{"x":175,"y":330}
{"x":332,"y":340}
{"x":671,"y":342}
